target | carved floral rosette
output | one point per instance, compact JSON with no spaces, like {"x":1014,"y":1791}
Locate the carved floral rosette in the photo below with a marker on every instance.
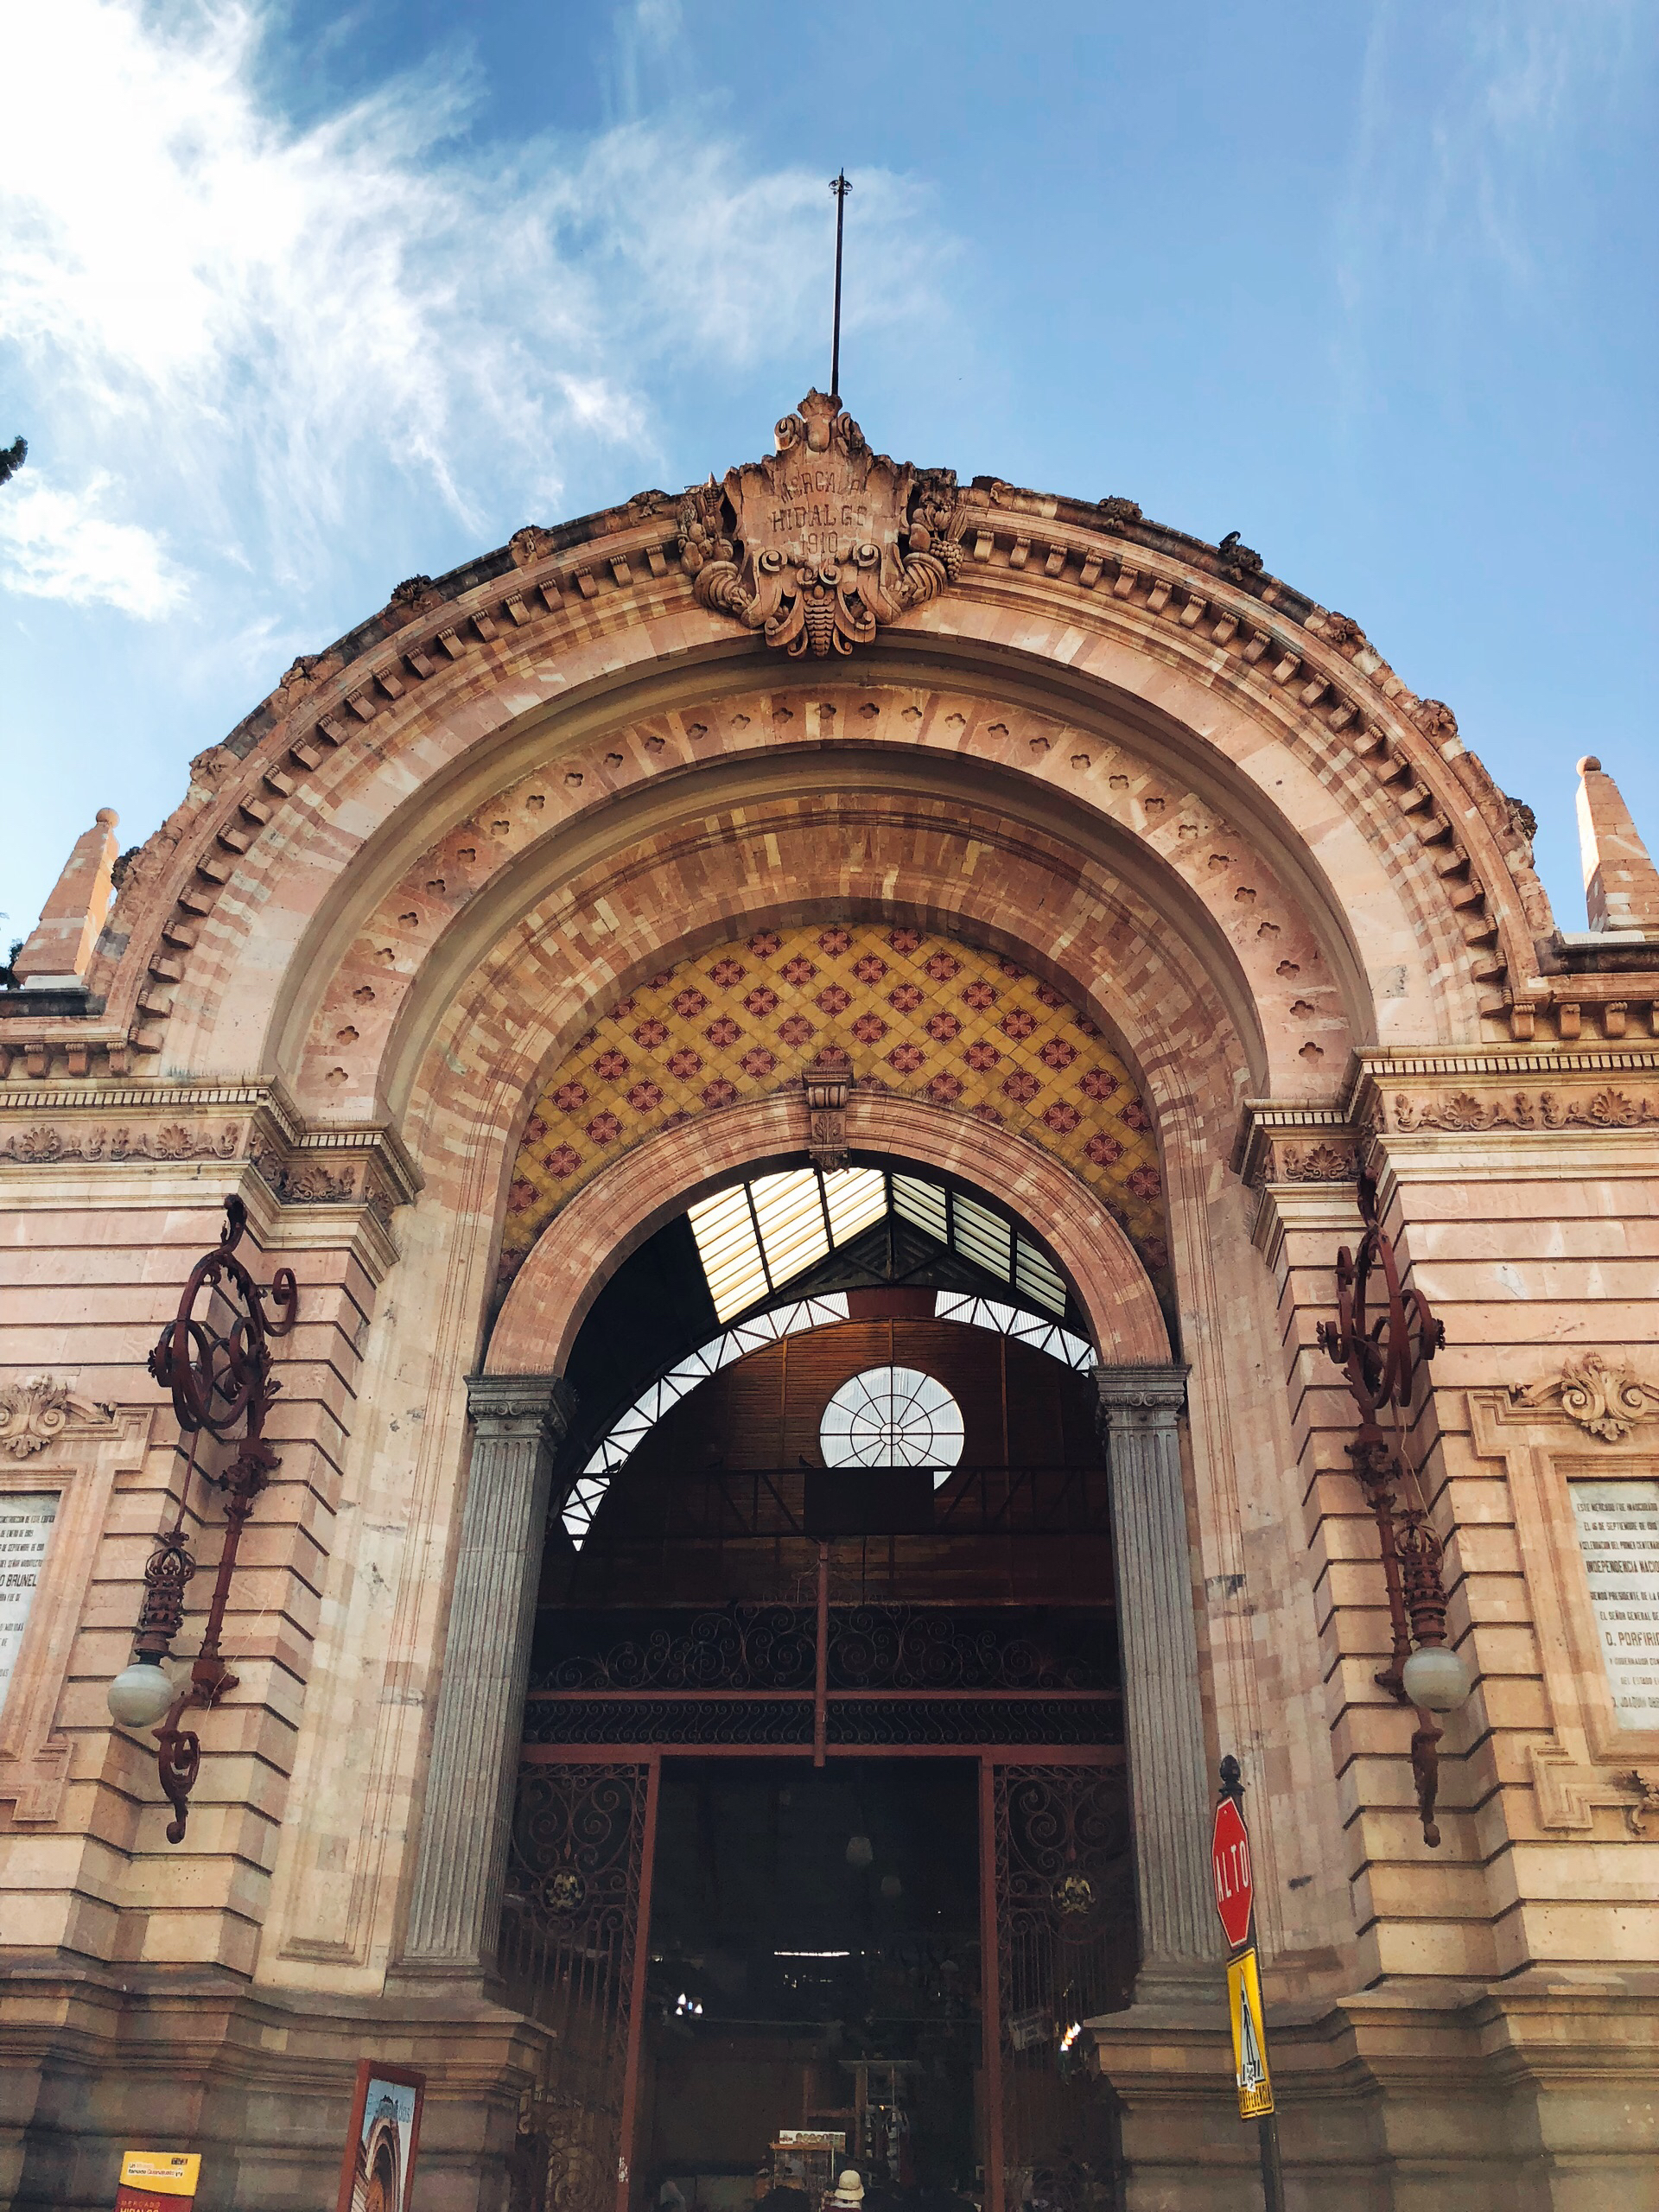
{"x":823,"y":541}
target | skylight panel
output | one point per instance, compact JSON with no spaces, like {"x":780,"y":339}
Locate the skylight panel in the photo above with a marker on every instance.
{"x":729,"y":1250}
{"x":632,"y":1428}
{"x":1035,"y":1275}
{"x":983,"y":1236}
{"x":855,"y":1196}
{"x":1010,"y":1321}
{"x":922,"y":1204}
{"x":790,"y":1215}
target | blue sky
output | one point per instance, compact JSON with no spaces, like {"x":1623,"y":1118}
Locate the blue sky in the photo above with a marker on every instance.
{"x":298,"y":300}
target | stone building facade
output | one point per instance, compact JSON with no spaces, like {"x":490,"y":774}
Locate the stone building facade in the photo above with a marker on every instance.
{"x":841,"y":718}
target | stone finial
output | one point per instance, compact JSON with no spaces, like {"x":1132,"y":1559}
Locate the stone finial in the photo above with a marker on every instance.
{"x":59,"y":949}
{"x":1621,"y":885}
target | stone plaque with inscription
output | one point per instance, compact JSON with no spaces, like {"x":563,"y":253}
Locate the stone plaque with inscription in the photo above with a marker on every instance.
{"x":1618,"y":1535}
{"x":25,"y":1524}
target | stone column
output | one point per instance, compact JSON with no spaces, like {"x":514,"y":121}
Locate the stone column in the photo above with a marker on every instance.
{"x":518,"y":1422}
{"x":1169,"y":1785}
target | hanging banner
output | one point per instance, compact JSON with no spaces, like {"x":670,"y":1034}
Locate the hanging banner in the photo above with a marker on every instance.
{"x":157,"y":2180}
{"x":1249,"y":2037}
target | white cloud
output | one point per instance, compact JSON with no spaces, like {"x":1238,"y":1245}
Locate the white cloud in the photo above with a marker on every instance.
{"x":56,"y":544}
{"x":262,"y":330}
{"x":1468,"y":191}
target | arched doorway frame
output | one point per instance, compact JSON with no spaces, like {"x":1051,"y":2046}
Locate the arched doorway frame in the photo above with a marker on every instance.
{"x":513,"y":1020}
{"x":520,"y":1413}
{"x":625,"y":1204}
{"x":611,"y":1217}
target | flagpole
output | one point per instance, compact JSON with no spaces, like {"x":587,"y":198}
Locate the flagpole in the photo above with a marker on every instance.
{"x":840,"y":187}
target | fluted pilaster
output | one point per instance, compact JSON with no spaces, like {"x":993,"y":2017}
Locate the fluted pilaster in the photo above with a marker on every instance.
{"x":1140,"y":1415}
{"x":518,"y":1422}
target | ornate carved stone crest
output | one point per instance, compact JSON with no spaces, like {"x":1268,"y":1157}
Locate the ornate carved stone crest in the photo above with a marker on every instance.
{"x":1318,"y":1163}
{"x":36,"y":1411}
{"x":1605,"y":1398}
{"x":823,"y":541}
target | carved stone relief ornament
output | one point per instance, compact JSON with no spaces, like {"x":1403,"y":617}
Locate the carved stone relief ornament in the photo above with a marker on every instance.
{"x":308,"y":1182}
{"x":828,"y":1083}
{"x":1605,"y":1399}
{"x":1318,"y":1163}
{"x":41,"y":1146}
{"x":36,"y":1411}
{"x":1603,"y":1109}
{"x":823,"y":541}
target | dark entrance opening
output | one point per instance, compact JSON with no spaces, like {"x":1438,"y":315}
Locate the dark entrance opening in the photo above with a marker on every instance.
{"x":822,"y":1827}
{"x":815,"y":1971}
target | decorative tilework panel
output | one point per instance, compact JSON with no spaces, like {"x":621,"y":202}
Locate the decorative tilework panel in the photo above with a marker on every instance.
{"x":915,"y":1012}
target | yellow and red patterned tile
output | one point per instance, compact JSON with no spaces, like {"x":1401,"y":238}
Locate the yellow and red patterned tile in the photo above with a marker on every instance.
{"x":913,"y":1010}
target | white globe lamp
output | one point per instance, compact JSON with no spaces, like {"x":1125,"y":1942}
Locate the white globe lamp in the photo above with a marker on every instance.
{"x":141,"y":1694}
{"x":1436,"y":1678}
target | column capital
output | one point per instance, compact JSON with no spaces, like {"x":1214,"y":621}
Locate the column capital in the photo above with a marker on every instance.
{"x":1140,"y":1397}
{"x":504,"y":1406}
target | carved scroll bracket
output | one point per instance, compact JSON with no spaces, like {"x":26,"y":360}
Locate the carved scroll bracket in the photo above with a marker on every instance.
{"x":1603,"y":1397}
{"x":829,"y":1084}
{"x":38,"y":1411}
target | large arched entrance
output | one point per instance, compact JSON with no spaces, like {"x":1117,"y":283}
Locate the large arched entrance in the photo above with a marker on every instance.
{"x":821,"y":1845}
{"x":1110,"y":903}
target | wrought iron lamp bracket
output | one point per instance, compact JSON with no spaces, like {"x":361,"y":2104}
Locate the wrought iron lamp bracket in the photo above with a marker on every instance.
{"x":1383,"y":1339}
{"x":214,"y":1358}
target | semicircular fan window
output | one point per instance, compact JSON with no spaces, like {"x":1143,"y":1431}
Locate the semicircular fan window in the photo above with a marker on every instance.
{"x":891,"y":1417}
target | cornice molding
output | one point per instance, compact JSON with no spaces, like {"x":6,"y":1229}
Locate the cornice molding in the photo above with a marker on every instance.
{"x":1447,"y":1096}
{"x":1293,"y":1141}
{"x":1241,"y":629}
{"x":361,"y":1165}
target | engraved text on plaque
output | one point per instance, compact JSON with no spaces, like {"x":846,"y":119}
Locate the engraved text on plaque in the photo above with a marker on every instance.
{"x":25,"y":1524}
{"x":1619,"y":1533}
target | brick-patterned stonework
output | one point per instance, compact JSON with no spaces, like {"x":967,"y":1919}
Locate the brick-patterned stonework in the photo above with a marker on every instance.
{"x":915,"y":1013}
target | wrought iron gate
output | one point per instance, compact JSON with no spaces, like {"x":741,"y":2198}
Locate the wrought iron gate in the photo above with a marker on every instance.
{"x":1035,"y":1703}
{"x":1055,"y":1879}
{"x":575,"y":1913}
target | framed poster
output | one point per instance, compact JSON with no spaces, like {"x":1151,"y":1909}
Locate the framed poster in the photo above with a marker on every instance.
{"x":378,"y":2171}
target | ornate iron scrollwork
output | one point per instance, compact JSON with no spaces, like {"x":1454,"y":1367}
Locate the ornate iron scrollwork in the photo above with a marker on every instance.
{"x":897,"y":1648}
{"x":569,"y":1931}
{"x":1383,"y":1339}
{"x":214,"y":1357}
{"x":740,"y":1647}
{"x":928,"y":1648}
{"x":1064,"y":1953}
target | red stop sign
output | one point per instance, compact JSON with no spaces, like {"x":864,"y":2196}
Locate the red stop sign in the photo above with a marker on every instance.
{"x":1230,"y":1864}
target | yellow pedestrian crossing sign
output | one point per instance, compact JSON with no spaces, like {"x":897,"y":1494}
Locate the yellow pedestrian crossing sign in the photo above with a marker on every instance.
{"x":1249,"y":2037}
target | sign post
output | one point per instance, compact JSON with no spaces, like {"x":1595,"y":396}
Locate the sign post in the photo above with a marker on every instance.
{"x":1235,"y":1885}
